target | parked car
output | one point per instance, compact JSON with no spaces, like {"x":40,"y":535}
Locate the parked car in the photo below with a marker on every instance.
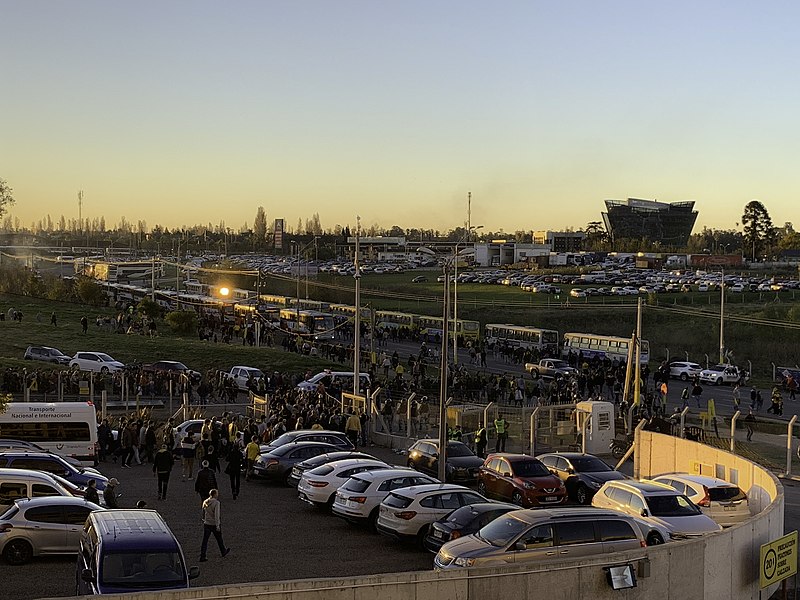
{"x":359,"y":498}
{"x":322,"y":459}
{"x":333,"y":438}
{"x":684,"y":370}
{"x":329,"y":379}
{"x":724,"y":502}
{"x":464,"y":521}
{"x":12,"y":444}
{"x":419,"y":279}
{"x":26,"y":483}
{"x":276,"y":465}
{"x":193,"y":426}
{"x":242,"y":375}
{"x":719,"y":374}
{"x":658,"y":503}
{"x":522,"y":479}
{"x":34,"y":527}
{"x":51,"y":463}
{"x":172,"y":367}
{"x":96,"y":362}
{"x":318,"y":486}
{"x":535,"y":536}
{"x":128,"y":550}
{"x":408,"y":512}
{"x":461,"y":464}
{"x":46,"y":354}
{"x":582,"y":474}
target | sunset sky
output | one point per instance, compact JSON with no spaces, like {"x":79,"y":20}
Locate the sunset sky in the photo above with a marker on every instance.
{"x":179,"y":113}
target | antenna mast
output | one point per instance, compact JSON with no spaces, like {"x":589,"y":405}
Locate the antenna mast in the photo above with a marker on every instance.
{"x":80,"y":210}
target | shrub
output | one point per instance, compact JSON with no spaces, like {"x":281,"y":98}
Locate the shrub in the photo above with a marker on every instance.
{"x":182,"y":321}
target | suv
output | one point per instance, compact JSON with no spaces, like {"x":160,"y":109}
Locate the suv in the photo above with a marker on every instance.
{"x":129,"y":551}
{"x":522,"y":479}
{"x":582,"y":474}
{"x":51,"y":463}
{"x":532,"y":536}
{"x":46,"y":354}
{"x":657,"y":503}
{"x":96,"y":362}
{"x":719,"y":374}
{"x":684,"y":370}
{"x":724,"y":502}
{"x":461,"y":463}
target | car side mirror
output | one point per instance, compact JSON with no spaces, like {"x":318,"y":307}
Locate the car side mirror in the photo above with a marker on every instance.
{"x":435,"y":455}
{"x":644,"y":512}
{"x":194,"y":572}
{"x":520,"y":545}
{"x":571,"y":471}
{"x":553,"y":471}
{"x":87,"y":576}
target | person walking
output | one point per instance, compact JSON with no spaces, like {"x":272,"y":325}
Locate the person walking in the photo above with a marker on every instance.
{"x":212,"y":524}
{"x":53,"y":319}
{"x":697,"y":391}
{"x":234,"y":468}
{"x":188,"y":451}
{"x":501,"y":427}
{"x":110,"y":493}
{"x":205,"y":481}
{"x":353,"y":429}
{"x":737,"y":397}
{"x":749,"y":422}
{"x":685,"y":397}
{"x":252,"y":451}
{"x":91,"y":494}
{"x":84,"y":324}
{"x":162,"y":467}
{"x":127,"y":445}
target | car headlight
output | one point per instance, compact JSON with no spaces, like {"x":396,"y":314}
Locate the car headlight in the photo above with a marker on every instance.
{"x":596,"y":484}
{"x":464,"y":562}
{"x":528,"y":485}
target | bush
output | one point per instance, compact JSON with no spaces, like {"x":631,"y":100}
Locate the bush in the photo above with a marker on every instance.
{"x":90,"y":292}
{"x":182,"y":321}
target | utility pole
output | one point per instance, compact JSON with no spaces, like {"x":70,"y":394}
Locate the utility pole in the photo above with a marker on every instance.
{"x":357,"y":341}
{"x":80,"y":211}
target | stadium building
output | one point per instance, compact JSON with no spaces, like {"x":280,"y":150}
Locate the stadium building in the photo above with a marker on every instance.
{"x":670,"y":224}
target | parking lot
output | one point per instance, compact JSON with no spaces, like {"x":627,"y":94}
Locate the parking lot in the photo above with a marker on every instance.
{"x":273,"y":536}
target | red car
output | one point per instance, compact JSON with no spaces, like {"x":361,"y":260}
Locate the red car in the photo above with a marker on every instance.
{"x":522,"y":479}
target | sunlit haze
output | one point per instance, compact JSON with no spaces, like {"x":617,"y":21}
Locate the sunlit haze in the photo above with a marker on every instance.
{"x":183,"y":113}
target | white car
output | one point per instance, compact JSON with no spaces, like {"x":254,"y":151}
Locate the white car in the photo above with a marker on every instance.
{"x":719,"y":374}
{"x":359,"y":499}
{"x":656,"y":503}
{"x":96,"y":362}
{"x":723,"y":501}
{"x":737,"y":287}
{"x":318,"y":486}
{"x":241,"y":375}
{"x":408,"y":512}
{"x":684,"y":370}
{"x":577,"y":293}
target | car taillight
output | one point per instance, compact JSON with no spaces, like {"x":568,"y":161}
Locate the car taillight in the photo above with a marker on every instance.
{"x":6,"y":527}
{"x":406,"y":515}
{"x":706,"y":501}
{"x":318,"y":484}
{"x":359,"y":499}
{"x":455,"y":534}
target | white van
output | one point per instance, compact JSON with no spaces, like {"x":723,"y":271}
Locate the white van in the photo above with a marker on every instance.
{"x":25,"y":483}
{"x":66,"y":428}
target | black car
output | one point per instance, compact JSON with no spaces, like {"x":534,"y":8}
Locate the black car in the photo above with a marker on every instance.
{"x":276,"y":465}
{"x":582,"y":474}
{"x":334,"y":438}
{"x":464,"y":521}
{"x":172,"y":367}
{"x":461,"y":466}
{"x":322,"y":459}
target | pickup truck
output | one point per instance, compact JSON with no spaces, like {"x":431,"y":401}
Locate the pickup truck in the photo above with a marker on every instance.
{"x":241,"y":375}
{"x":719,"y":374}
{"x":549,"y":367}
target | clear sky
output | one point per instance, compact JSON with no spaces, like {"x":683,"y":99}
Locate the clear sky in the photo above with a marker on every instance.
{"x":195,"y":112}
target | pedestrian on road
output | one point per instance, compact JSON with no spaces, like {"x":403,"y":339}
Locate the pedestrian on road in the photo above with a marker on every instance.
{"x":749,"y":422}
{"x":188,"y":451}
{"x":205,"y":481}
{"x":353,"y":429}
{"x":685,"y":398}
{"x":110,"y":493}
{"x":697,"y":391}
{"x":91,"y":494}
{"x":162,"y":467}
{"x":737,"y":397}
{"x":234,"y":468}
{"x":253,"y":450}
{"x":212,"y":524}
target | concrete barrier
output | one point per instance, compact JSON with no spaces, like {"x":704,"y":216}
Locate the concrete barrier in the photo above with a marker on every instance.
{"x":722,"y":565}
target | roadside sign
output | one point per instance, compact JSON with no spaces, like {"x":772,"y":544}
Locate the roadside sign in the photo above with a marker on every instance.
{"x":83,"y":387}
{"x":778,"y":560}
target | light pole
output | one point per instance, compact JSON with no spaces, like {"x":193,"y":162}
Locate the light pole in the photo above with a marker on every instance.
{"x":467,"y":236}
{"x":357,"y":336}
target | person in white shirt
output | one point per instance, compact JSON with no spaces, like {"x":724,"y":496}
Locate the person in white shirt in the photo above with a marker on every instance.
{"x":212,"y":523}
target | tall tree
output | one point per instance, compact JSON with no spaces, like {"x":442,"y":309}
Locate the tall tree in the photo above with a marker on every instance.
{"x":758,"y":229}
{"x":6,"y":196}
{"x":260,"y":227}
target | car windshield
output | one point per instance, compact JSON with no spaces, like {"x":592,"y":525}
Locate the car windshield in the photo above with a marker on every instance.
{"x":589,"y":464}
{"x":667,"y":505}
{"x":529,"y":468}
{"x":142,"y":569}
{"x":502,"y":531}
{"x":455,"y":449}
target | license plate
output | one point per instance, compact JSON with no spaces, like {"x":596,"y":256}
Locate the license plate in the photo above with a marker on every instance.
{"x":729,"y":507}
{"x":551,"y":498}
{"x":296,"y":472}
{"x":438,"y":534}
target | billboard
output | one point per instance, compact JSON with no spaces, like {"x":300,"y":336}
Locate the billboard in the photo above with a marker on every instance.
{"x":278,"y":234}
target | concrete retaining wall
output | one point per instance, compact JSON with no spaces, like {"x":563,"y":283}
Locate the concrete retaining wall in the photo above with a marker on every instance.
{"x":723,"y":565}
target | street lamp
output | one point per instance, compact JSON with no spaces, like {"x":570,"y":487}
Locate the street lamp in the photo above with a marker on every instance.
{"x":467,"y":236}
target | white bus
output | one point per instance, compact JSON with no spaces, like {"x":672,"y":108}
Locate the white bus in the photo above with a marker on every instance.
{"x":523,"y":336}
{"x":602,"y":346}
{"x":315,"y":324}
{"x":66,"y":428}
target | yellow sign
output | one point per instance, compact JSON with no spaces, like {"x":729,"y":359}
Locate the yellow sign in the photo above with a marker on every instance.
{"x":778,"y":560}
{"x":83,"y":387}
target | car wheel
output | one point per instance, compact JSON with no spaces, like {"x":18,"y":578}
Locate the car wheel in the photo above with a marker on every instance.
{"x":411,"y":464}
{"x":718,"y":381}
{"x":654,"y":538}
{"x":516,"y":498}
{"x":17,"y":552}
{"x":535,"y":374}
{"x":482,"y":487}
{"x":684,"y":377}
{"x":421,"y":536}
{"x":582,"y":494}
{"x":329,"y":503}
{"x":372,"y":521}
{"x":104,"y":370}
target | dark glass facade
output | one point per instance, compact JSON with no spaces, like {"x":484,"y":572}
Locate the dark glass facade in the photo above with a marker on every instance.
{"x":667,"y":223}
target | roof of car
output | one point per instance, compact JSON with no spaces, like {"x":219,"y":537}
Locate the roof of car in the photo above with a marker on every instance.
{"x":388,"y":473}
{"x":645,"y":486}
{"x":415,"y":490}
{"x":531,"y":516}
{"x":568,"y":455}
{"x":29,"y":453}
{"x":511,"y":456}
{"x":25,"y":503}
{"x":134,"y":529}
{"x":701,"y":479}
{"x":352,"y":462}
{"x":6,"y":473}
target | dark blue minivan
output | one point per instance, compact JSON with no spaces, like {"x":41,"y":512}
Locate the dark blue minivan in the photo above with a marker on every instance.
{"x":127,"y":550}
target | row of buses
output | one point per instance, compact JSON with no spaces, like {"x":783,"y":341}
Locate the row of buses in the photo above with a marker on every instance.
{"x":320,"y":320}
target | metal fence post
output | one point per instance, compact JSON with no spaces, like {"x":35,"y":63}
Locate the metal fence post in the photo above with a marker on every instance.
{"x":683,"y":421}
{"x":789,"y":429}
{"x":733,"y":431}
{"x":486,"y":415}
{"x":533,"y":430}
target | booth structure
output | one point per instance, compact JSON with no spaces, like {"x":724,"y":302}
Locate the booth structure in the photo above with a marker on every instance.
{"x":600,"y":426}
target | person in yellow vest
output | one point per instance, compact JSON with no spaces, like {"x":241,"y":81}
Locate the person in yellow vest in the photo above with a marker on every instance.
{"x":480,"y":442}
{"x":398,"y":371}
{"x":501,"y":427}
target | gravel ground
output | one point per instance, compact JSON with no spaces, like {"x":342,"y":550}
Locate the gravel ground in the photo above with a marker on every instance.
{"x":273,"y":536}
